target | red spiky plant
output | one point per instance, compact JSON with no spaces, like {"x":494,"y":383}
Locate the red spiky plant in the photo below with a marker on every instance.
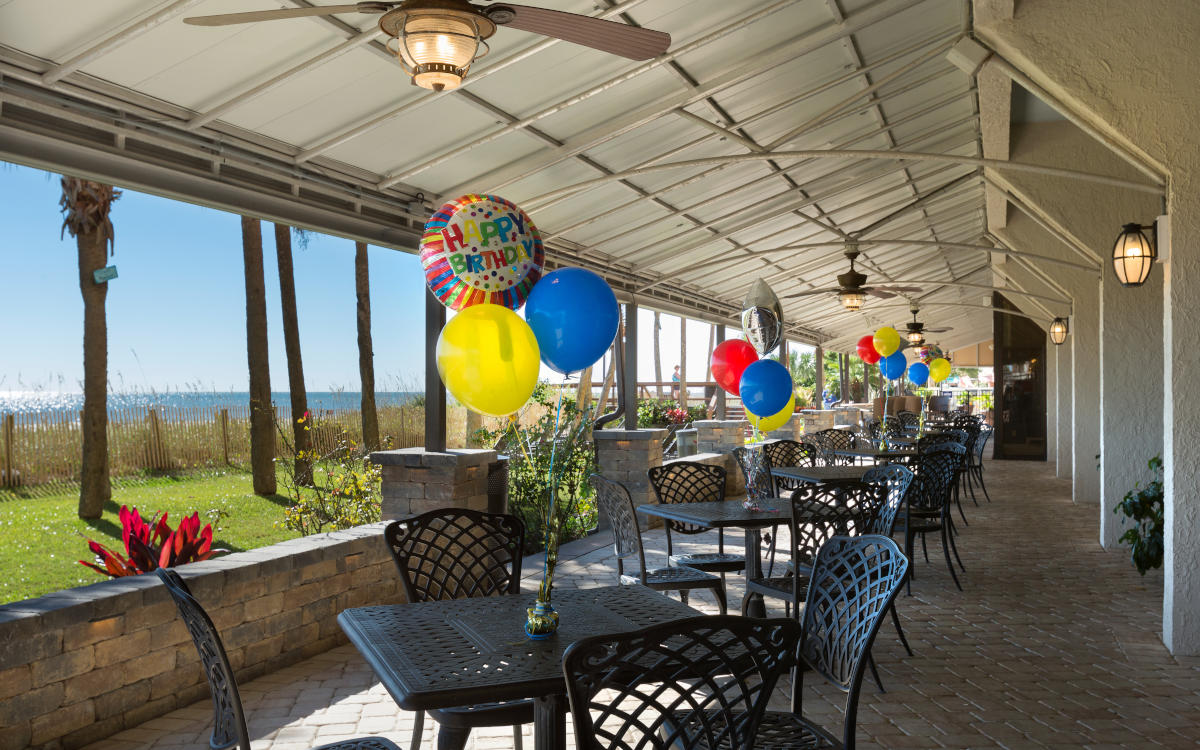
{"x":153,"y":545}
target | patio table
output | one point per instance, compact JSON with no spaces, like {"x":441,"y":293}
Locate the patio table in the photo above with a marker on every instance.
{"x":877,"y":455}
{"x":461,"y":652}
{"x":731,"y":513}
{"x":818,"y":474}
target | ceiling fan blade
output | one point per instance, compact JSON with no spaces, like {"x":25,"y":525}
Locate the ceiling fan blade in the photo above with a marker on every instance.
{"x":810,"y":292}
{"x":937,"y":330}
{"x":879,"y":292}
{"x":226,"y":19}
{"x":607,"y":36}
{"x":900,"y":289}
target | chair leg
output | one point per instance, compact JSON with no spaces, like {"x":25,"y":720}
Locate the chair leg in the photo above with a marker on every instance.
{"x":982,"y":485}
{"x":924,"y":548}
{"x":958,"y":502}
{"x":908,"y":552}
{"x":900,"y":630}
{"x":875,"y":672}
{"x":518,"y":742}
{"x":418,"y":730}
{"x":453,"y":738}
{"x":719,"y":593}
{"x":954,"y":549}
{"x":746,"y":604}
{"x":683,"y":596}
{"x":946,"y":550}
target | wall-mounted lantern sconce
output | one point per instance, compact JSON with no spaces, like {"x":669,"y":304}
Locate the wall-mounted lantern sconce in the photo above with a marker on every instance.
{"x":1134,"y":254}
{"x":1058,"y":331}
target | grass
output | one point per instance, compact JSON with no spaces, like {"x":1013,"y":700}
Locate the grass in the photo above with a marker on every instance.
{"x":42,"y":538}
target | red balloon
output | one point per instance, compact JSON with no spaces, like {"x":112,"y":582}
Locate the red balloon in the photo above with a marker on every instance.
{"x":729,"y":360}
{"x":866,"y":350}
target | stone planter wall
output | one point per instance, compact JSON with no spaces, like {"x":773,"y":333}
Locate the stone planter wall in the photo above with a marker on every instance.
{"x":79,"y":665}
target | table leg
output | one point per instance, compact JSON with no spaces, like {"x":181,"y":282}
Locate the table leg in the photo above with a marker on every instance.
{"x":550,"y":722}
{"x":756,"y":607}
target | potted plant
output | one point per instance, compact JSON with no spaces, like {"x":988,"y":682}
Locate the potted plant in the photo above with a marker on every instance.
{"x":1144,"y":506}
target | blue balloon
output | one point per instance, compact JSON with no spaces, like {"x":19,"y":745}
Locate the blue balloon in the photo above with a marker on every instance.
{"x":766,"y":386}
{"x":574,"y":315}
{"x":893,"y":365}
{"x":918,"y":373}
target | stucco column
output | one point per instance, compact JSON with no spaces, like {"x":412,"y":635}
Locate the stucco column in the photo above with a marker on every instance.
{"x":1051,"y":402}
{"x":1085,"y":397}
{"x":1131,"y":391}
{"x":1063,"y":401}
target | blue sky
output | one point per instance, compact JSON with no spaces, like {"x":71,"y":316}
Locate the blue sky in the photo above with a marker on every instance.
{"x":176,"y":314}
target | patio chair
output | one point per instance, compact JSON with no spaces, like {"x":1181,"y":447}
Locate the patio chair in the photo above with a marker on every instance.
{"x":456,"y":553}
{"x":788,"y":453}
{"x":229,"y":719}
{"x":928,"y":508}
{"x":692,"y":482}
{"x":975,"y":464}
{"x":897,"y":478}
{"x":909,"y":421}
{"x":700,"y":683}
{"x":614,"y":502}
{"x":834,"y":440}
{"x":853,"y":581}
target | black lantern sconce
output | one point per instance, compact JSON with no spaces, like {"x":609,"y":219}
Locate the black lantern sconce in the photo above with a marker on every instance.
{"x":1058,"y":331}
{"x":1134,"y":254}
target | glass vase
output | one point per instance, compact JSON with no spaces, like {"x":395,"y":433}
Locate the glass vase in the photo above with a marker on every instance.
{"x":541,"y":621}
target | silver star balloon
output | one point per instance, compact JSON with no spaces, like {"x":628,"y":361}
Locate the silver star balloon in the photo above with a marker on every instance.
{"x":762,"y":318}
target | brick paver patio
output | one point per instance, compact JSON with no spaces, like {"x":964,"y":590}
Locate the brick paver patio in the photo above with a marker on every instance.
{"x":1053,"y":644}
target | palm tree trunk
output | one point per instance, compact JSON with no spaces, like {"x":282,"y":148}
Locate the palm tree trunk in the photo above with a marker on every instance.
{"x":262,"y":414}
{"x":657,"y":357}
{"x":291,"y":342}
{"x":95,"y":489}
{"x":366,"y":352}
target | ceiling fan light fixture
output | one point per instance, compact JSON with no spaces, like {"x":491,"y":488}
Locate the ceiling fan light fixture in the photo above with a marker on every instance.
{"x":852,"y":300}
{"x":916,"y":338}
{"x":437,"y":46}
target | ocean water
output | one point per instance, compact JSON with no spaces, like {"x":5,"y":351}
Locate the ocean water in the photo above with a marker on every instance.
{"x":21,"y":402}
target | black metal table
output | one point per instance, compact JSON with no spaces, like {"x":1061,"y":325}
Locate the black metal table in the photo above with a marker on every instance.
{"x":466,"y":651}
{"x":818,"y":474}
{"x":877,"y":455}
{"x":726,"y":514}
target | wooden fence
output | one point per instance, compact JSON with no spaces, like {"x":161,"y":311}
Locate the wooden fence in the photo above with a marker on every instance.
{"x":44,"y":447}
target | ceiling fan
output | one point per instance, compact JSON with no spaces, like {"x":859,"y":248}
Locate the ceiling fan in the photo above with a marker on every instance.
{"x":850,"y":289}
{"x":437,"y":40}
{"x":916,"y":330}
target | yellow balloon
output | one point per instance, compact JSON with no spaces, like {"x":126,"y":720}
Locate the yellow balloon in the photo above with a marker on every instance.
{"x":488,"y":358}
{"x":886,"y":341}
{"x":939,"y":370}
{"x":775,"y":421}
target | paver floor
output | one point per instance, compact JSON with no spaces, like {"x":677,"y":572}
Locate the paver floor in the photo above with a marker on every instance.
{"x":1054,"y":643}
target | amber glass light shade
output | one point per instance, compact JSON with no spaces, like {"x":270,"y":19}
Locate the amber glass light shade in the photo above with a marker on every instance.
{"x":438,"y":47}
{"x":1058,"y":331}
{"x":852,"y":300}
{"x":1133,"y":255}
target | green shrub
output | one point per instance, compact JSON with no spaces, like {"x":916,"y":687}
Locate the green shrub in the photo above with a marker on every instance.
{"x":1144,"y":505}
{"x":344,"y":491}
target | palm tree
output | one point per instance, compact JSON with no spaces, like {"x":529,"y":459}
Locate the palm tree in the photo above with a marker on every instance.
{"x":366,"y":352}
{"x":87,"y":206}
{"x":291,"y":341}
{"x":262,"y":414}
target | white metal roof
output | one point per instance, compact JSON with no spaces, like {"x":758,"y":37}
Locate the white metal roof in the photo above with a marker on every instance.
{"x":311,"y":121}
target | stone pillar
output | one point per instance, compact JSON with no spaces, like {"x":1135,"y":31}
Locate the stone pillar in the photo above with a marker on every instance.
{"x":625,"y":456}
{"x":719,"y":435}
{"x":1131,"y":392}
{"x":416,"y":480}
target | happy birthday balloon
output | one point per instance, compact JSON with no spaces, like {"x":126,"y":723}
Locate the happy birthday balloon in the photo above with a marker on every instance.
{"x":939,"y":370}
{"x":574,"y":314}
{"x":481,"y":248}
{"x":775,"y":421}
{"x":893,"y":365}
{"x":762,"y":318}
{"x":866,"y":349}
{"x":729,"y":360}
{"x":488,"y":358}
{"x":886,"y":341}
{"x":918,"y":373}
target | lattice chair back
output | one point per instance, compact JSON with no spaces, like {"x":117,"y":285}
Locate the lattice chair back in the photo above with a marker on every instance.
{"x":909,"y":420}
{"x":949,"y":437}
{"x":790,"y":453}
{"x":893,"y":427}
{"x":456,"y":553}
{"x":971,"y":432}
{"x":981,"y":445}
{"x":614,"y":503}
{"x":828,"y":509}
{"x":896,"y":478}
{"x":854,"y":581}
{"x":962,"y":419}
{"x":687,"y":482}
{"x":703,"y":682}
{"x":935,"y":472}
{"x":756,"y":470}
{"x":229,"y":723}
{"x":874,"y":429}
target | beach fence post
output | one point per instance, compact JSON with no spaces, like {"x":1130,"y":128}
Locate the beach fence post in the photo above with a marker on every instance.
{"x":225,"y":434}
{"x":8,"y":479}
{"x":157,"y":454}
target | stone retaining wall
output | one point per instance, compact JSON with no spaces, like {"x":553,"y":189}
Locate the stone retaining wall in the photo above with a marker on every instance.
{"x":79,"y":665}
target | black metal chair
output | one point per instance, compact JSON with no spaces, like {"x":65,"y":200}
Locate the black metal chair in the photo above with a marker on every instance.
{"x":834,"y":440}
{"x":897,"y":478}
{"x":456,"y":553}
{"x":614,"y":503}
{"x":909,"y":421}
{"x":697,"y":684}
{"x":229,"y":720}
{"x":788,"y":453}
{"x":691,"y":482}
{"x":975,"y":464}
{"x":929,"y":498}
{"x":854,"y":580}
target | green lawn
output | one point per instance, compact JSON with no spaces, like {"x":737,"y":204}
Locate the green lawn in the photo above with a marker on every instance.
{"x":42,"y":538}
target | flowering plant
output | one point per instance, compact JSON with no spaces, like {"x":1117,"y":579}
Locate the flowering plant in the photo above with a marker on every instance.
{"x":678,"y":415}
{"x":153,"y":545}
